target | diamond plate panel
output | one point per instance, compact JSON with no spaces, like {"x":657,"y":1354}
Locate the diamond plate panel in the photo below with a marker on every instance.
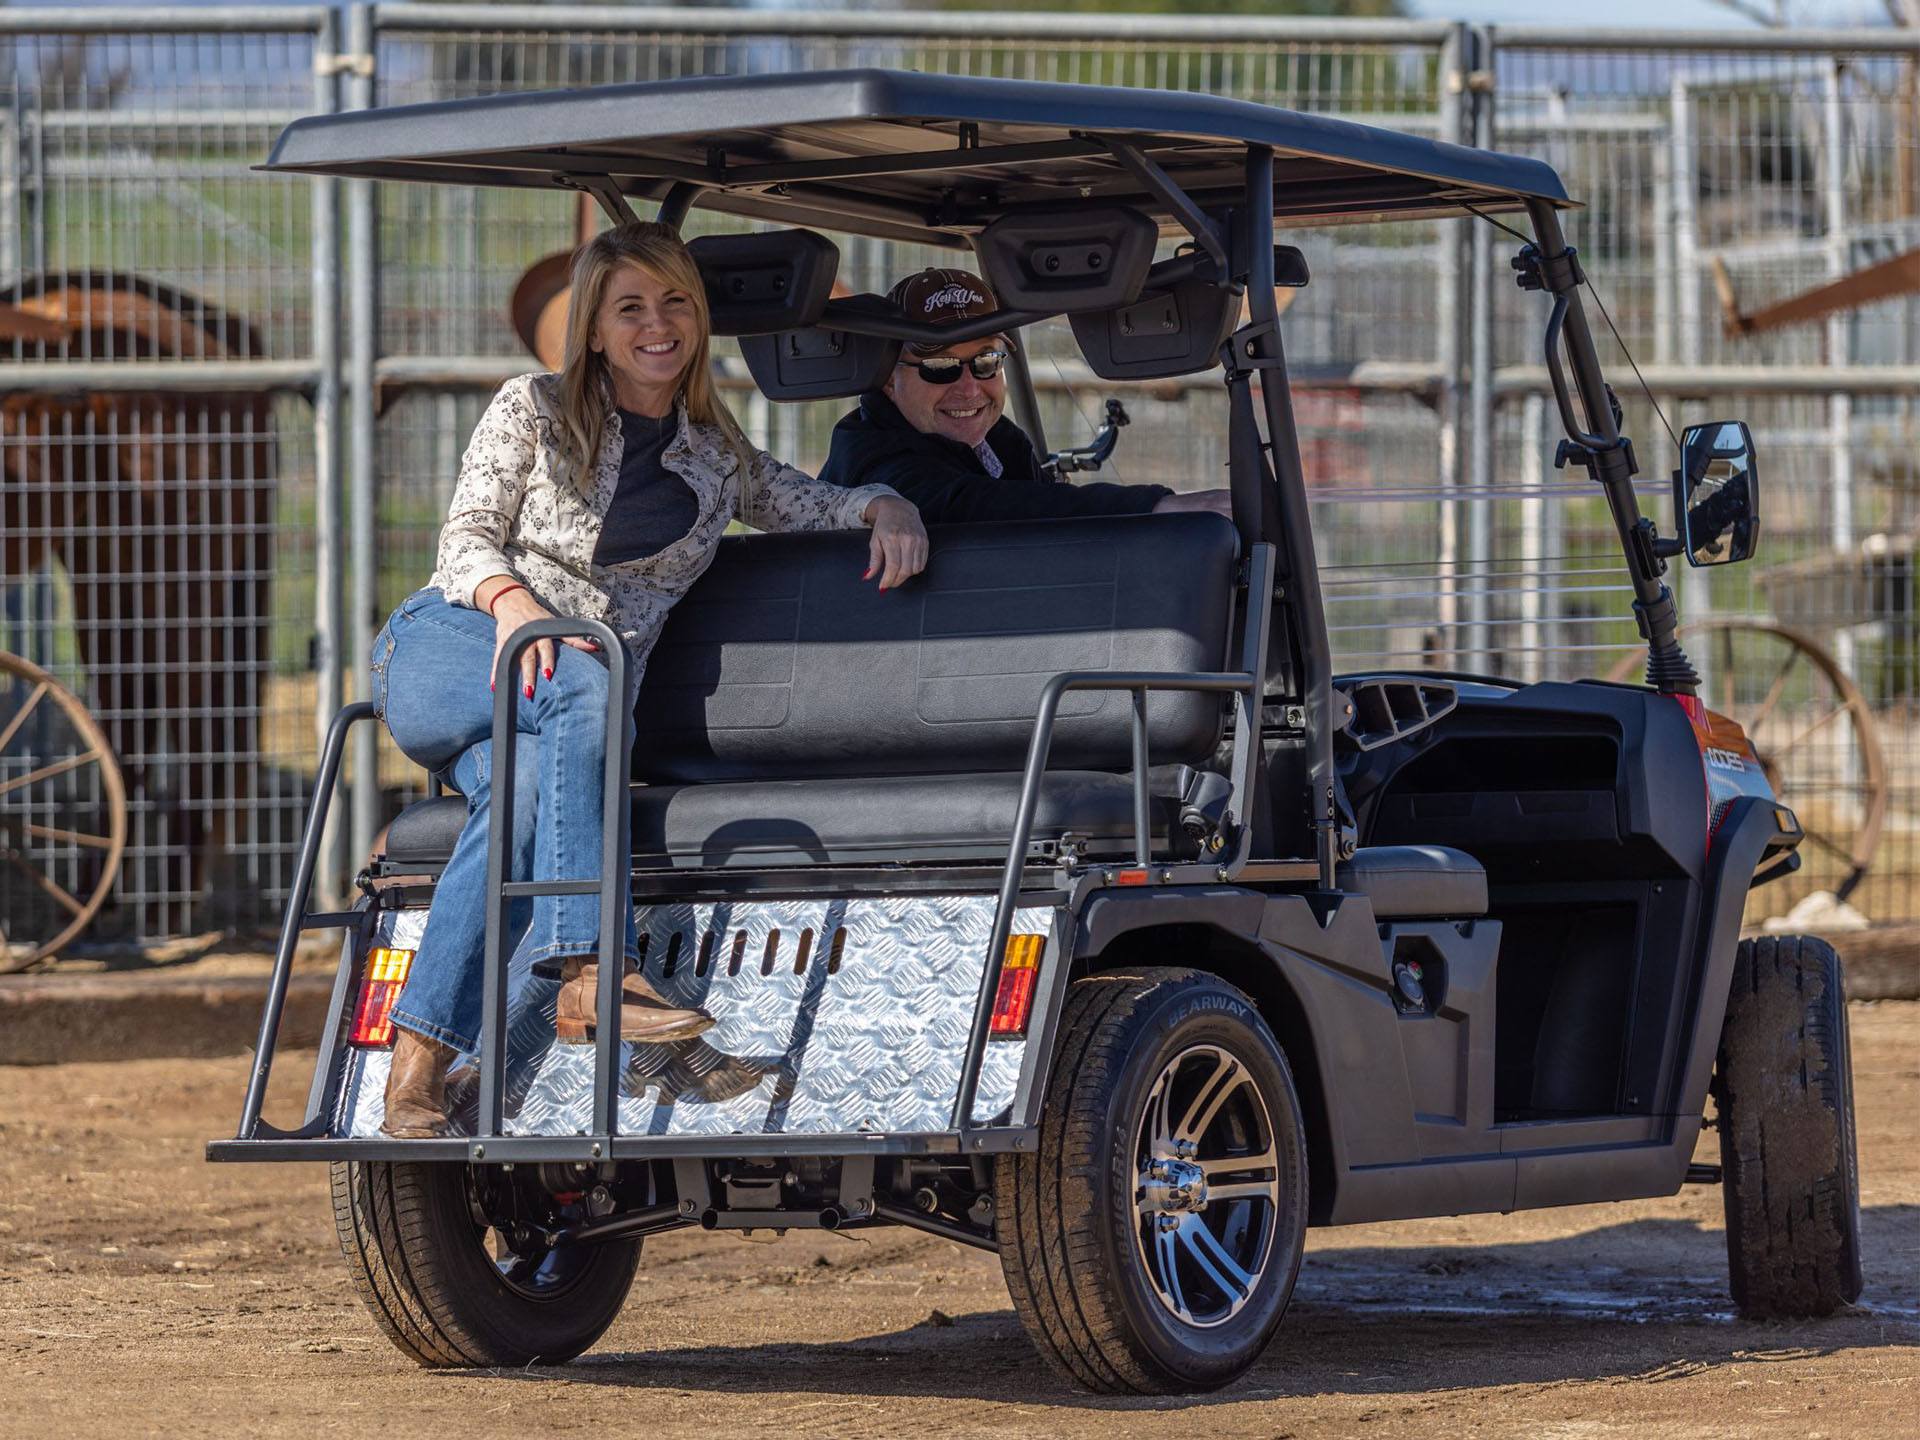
{"x":830,"y":1016}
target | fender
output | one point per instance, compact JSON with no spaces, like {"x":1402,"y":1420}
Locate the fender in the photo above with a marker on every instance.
{"x":1110,"y":914}
{"x":1754,"y":828}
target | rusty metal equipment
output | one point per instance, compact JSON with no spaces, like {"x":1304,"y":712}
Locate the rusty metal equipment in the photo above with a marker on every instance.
{"x":63,"y":815}
{"x":154,"y":510}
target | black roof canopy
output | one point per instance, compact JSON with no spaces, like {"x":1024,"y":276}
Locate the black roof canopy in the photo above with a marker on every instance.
{"x":908,"y":156}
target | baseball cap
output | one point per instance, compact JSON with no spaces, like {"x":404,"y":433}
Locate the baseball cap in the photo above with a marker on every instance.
{"x":942,"y":296}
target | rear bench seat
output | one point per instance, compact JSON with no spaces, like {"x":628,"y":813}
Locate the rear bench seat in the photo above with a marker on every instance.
{"x":791,"y":714}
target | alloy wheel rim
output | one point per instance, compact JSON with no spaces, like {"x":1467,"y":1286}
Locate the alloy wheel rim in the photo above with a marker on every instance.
{"x":1206,"y":1186}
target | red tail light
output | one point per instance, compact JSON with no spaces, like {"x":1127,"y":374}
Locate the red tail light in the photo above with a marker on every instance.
{"x":373,"y":1015}
{"x":1013,"y":1001}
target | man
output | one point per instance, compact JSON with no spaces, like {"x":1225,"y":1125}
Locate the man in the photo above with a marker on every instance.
{"x":935,"y":432}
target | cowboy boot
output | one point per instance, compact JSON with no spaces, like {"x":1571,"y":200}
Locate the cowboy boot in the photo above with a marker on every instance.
{"x":645,"y":1014}
{"x":417,"y":1087}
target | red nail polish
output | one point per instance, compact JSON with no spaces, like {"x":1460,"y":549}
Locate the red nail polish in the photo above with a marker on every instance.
{"x":491,"y":685}
{"x":529,"y":692}
{"x":548,"y":672}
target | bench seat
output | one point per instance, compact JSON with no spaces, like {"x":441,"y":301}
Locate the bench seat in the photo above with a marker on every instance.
{"x":935,"y":818}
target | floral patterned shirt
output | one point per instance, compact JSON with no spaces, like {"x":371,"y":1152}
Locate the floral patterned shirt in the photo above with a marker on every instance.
{"x":515,"y":512}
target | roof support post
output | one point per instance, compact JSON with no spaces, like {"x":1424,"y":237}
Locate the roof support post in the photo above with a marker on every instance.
{"x":673,"y":209}
{"x":1283,"y":516}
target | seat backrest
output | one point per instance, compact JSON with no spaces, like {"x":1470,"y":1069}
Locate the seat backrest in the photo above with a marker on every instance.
{"x":782,"y":663}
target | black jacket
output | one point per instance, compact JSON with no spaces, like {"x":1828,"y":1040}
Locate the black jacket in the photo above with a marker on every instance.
{"x":947,"y":482}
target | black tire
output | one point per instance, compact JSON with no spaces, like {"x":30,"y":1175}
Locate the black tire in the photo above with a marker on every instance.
{"x":1783,"y":1086}
{"x":419,"y":1261}
{"x":1071,"y":1218}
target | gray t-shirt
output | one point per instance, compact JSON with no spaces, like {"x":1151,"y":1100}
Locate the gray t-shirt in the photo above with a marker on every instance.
{"x":652,"y":507}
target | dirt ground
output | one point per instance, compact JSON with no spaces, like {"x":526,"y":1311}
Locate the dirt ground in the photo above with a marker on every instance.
{"x":143,"y":1291}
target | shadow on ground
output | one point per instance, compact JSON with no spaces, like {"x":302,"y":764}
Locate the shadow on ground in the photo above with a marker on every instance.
{"x":1644,"y":1301}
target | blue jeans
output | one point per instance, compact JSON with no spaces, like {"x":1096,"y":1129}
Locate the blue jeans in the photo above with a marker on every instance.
{"x":432,"y":666}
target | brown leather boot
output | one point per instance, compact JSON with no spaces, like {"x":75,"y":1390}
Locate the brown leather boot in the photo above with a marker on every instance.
{"x":417,"y":1087}
{"x":645,"y":1014}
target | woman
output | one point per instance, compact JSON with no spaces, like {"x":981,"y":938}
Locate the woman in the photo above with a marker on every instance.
{"x":599,"y":492}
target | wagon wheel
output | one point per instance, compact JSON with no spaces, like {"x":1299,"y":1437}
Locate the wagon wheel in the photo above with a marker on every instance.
{"x":63,"y":815}
{"x":1810,"y":726}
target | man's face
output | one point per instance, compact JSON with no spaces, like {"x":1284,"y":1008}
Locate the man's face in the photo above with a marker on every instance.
{"x":964,"y":410}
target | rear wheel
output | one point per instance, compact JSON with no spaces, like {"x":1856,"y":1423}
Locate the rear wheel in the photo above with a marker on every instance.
{"x":1151,"y":1243}
{"x":1784,"y":1090}
{"x":450,"y":1289}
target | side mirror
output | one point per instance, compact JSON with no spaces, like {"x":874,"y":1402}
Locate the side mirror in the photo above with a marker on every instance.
{"x":1716,"y":493}
{"x":1289,"y":268}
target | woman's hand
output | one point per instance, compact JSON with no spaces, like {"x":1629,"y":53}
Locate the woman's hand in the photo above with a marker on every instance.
{"x":512,"y":605}
{"x":897,"y":548}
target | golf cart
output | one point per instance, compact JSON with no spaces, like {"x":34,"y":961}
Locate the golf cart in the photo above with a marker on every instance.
{"x":1066,"y":904}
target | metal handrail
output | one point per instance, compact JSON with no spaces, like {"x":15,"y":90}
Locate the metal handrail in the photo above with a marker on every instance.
{"x":295,"y":919}
{"x":615,"y":852}
{"x":1137,"y":683}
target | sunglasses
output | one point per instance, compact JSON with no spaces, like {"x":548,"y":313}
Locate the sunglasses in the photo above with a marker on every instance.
{"x":945,"y":369}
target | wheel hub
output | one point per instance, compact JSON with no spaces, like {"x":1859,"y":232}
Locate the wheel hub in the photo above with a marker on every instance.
{"x":1207,"y":1190}
{"x":1172,"y":1187}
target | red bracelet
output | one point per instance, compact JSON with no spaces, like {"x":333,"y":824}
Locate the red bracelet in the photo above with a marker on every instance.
{"x":503,"y":590}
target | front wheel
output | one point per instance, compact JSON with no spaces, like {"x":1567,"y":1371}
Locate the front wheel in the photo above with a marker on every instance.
{"x":449,"y":1290}
{"x":1151,"y":1242}
{"x":1783,"y":1086}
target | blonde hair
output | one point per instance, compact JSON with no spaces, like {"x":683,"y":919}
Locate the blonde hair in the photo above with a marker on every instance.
{"x":586,"y":386}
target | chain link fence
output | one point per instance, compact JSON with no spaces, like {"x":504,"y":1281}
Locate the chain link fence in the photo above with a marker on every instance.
{"x":312,"y":354}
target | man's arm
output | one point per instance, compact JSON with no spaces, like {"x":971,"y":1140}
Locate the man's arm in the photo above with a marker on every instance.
{"x":948,"y":494}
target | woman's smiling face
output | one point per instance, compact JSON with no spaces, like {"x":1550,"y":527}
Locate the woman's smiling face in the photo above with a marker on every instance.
{"x":648,"y":330}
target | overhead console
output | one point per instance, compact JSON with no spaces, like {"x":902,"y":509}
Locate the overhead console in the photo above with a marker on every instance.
{"x":1132,"y":318}
{"x":821,"y":363}
{"x":1068,"y":259}
{"x":760,"y":284}
{"x":1164,"y":333}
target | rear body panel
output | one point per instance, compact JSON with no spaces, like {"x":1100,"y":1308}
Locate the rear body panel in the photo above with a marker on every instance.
{"x":865,"y":1033}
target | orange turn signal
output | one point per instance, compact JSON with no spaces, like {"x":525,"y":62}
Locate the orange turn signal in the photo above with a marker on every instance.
{"x":1013,"y":1001}
{"x":373,"y":1015}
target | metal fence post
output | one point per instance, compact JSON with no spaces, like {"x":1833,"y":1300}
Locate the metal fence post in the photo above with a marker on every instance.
{"x":1839,"y":331}
{"x":363,"y":321}
{"x":1456,"y":64}
{"x":329,"y":555}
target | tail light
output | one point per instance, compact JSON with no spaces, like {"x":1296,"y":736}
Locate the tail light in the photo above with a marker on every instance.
{"x":373,"y":1015}
{"x":1013,"y":1001}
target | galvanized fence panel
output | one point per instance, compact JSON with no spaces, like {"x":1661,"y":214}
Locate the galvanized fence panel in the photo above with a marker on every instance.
{"x":160,"y":541}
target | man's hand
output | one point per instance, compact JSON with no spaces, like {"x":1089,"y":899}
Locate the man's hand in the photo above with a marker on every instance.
{"x":512,"y":605}
{"x":1220,"y":502}
{"x":897,"y":547}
